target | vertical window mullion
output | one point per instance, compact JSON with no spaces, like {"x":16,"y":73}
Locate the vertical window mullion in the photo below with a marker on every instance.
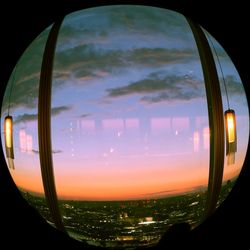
{"x":44,"y":126}
{"x":215,"y":113}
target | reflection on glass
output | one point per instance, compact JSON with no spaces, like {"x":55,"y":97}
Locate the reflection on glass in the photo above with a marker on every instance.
{"x":129,"y":125}
{"x":231,"y":87}
{"x":22,"y":106}
{"x":130,"y":132}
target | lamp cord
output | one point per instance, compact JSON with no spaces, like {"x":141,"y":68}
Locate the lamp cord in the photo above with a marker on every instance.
{"x":223,"y":78}
{"x":11,"y":87}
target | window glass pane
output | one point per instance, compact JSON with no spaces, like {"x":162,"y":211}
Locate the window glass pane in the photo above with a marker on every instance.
{"x":129,"y":120}
{"x":21,"y":97}
{"x":230,"y":82}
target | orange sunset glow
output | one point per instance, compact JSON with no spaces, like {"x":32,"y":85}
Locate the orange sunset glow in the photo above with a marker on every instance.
{"x":127,"y":147}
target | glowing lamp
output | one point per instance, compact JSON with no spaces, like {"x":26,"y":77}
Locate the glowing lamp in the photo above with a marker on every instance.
{"x":231,"y":137}
{"x":8,"y":135}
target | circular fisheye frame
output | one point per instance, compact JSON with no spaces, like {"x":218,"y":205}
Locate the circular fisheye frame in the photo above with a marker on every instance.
{"x":132,"y":124}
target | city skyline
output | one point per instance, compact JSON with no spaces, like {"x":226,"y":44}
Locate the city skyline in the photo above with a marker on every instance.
{"x":129,"y":112}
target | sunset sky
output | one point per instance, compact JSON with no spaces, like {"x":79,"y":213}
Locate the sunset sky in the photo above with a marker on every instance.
{"x":129,"y":112}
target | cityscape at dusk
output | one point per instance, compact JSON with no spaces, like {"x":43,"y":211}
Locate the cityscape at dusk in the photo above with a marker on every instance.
{"x":129,"y":124}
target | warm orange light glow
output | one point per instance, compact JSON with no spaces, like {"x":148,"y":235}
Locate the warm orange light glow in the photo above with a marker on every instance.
{"x":230,"y":127}
{"x":8,"y":136}
{"x":8,"y":132}
{"x":231,"y":137}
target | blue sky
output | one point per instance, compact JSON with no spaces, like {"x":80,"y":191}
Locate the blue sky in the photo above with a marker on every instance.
{"x":129,"y":112}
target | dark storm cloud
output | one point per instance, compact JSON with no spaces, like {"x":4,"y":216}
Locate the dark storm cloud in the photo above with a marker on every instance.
{"x":157,"y":88}
{"x":32,"y":117}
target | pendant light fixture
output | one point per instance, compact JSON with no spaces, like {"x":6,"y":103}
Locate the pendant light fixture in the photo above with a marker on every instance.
{"x":231,"y":137}
{"x":230,"y":122}
{"x":8,"y":132}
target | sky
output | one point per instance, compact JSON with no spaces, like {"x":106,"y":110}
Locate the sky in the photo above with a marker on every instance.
{"x":129,"y":112}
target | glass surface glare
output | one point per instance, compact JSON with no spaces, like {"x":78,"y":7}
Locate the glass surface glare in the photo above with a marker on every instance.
{"x":21,"y":104}
{"x":129,"y":124}
{"x":8,"y":132}
{"x":231,"y":85}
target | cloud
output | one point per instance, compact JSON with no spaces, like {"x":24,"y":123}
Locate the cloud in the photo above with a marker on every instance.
{"x":154,"y":57}
{"x":56,"y":151}
{"x":24,"y":93}
{"x":157,"y":88}
{"x":84,"y":115}
{"x":87,"y":61}
{"x":35,"y":151}
{"x":162,"y":192}
{"x":234,"y":87}
{"x":79,"y":56}
{"x":32,"y":117}
{"x":25,"y":118}
{"x":86,"y":51}
{"x":24,"y":80}
{"x":166,"y":96}
{"x":143,"y":86}
{"x":58,"y":110}
{"x":53,"y":151}
{"x":147,"y":19}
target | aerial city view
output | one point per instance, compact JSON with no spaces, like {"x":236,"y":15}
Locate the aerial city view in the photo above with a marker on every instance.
{"x":129,"y":125}
{"x":134,"y":223}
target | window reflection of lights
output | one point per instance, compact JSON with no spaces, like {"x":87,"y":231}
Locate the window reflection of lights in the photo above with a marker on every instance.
{"x":230,"y":121}
{"x":25,"y":142}
{"x":22,"y":140}
{"x":206,"y":139}
{"x":196,"y":139}
{"x":29,"y":144}
{"x":8,"y":132}
{"x":231,"y":137}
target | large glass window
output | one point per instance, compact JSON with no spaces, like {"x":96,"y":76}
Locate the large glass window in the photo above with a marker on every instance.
{"x":20,"y":101}
{"x":233,"y":97}
{"x":129,"y":124}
